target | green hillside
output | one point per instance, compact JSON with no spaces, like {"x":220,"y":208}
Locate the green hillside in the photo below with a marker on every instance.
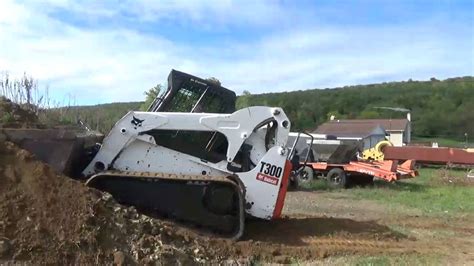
{"x":439,"y":108}
{"x":100,"y":117}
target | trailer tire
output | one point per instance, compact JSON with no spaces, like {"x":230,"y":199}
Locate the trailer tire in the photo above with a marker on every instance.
{"x":293,"y":182}
{"x":304,"y":175}
{"x":368,"y":180}
{"x":362,"y":180}
{"x":337,"y":178}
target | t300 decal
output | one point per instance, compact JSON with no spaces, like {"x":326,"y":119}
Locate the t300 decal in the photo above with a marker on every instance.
{"x":269,"y":173}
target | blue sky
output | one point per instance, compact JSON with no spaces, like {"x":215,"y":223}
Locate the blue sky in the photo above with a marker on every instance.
{"x":105,"y":51}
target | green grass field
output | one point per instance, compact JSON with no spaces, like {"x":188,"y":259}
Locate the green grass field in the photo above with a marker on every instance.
{"x":408,"y":259}
{"x":444,"y":196}
{"x":436,"y":191}
{"x":444,"y":142}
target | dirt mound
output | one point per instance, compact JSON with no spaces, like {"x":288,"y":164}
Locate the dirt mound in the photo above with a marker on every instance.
{"x":49,"y":218}
{"x":15,"y":115}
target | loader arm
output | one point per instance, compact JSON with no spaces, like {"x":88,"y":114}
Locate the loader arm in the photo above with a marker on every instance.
{"x":236,"y":127}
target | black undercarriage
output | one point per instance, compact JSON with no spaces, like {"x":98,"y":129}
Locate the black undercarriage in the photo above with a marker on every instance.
{"x":214,"y":206}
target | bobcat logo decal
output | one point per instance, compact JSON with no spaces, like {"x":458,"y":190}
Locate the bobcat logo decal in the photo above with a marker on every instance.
{"x":137,"y":122}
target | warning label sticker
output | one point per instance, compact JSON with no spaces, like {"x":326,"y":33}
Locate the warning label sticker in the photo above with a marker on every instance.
{"x":267,"y":179}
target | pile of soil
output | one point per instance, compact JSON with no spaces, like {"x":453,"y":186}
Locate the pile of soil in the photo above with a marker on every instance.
{"x":49,"y":218}
{"x":15,"y":115}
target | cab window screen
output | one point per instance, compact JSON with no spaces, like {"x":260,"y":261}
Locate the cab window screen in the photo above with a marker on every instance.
{"x":186,"y":98}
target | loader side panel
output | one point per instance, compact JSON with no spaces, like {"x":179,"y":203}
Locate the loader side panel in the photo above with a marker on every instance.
{"x":266,"y":185}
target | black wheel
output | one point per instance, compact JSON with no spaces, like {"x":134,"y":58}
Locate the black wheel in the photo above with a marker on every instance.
{"x":219,"y":200}
{"x":292,"y":185}
{"x":337,"y":178}
{"x":304,"y":175}
{"x":367,"y":180}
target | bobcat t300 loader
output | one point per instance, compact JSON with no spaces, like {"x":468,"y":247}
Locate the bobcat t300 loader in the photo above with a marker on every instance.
{"x":193,"y":158}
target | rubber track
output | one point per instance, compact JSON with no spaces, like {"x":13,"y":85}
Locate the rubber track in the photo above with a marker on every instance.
{"x":192,"y":179}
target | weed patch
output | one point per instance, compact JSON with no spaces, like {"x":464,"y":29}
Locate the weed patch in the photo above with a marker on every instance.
{"x":424,"y":192}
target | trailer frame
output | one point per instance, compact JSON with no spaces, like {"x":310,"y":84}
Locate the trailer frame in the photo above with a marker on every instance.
{"x":388,"y":170}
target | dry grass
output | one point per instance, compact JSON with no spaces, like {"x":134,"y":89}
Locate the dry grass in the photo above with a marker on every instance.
{"x":26,"y":92}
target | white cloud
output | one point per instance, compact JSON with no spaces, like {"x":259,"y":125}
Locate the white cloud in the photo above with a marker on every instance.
{"x":118,"y":63}
{"x":201,"y":12}
{"x":327,"y":57}
{"x":209,"y":11}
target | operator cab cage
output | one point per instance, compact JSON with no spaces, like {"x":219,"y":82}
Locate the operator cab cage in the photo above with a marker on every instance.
{"x":187,"y":93}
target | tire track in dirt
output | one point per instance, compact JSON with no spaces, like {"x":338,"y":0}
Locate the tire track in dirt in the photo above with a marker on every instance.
{"x":352,"y":230}
{"x":311,"y":238}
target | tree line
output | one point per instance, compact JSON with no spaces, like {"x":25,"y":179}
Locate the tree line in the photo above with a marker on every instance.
{"x":438,"y":108}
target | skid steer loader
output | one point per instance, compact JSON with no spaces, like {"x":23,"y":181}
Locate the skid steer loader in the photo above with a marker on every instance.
{"x":193,"y":158}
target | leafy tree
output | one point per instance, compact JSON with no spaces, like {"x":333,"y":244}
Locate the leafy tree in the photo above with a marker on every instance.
{"x":243,"y":100}
{"x":369,"y":114}
{"x":151,"y":95}
{"x":214,"y":80}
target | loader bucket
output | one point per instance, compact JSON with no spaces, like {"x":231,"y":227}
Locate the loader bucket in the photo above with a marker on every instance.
{"x":63,"y":149}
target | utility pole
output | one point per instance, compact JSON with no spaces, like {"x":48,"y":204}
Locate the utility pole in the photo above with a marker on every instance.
{"x":466,"y":145}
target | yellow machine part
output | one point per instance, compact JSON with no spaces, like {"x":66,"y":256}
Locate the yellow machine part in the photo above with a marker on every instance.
{"x":376,"y":153}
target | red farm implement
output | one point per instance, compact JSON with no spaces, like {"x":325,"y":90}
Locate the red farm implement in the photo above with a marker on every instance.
{"x":343,"y":168}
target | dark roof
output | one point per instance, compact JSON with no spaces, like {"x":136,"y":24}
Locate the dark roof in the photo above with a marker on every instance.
{"x":347,"y":129}
{"x":360,"y":127}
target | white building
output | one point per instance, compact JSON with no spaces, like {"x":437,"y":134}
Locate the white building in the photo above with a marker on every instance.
{"x":370,"y":131}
